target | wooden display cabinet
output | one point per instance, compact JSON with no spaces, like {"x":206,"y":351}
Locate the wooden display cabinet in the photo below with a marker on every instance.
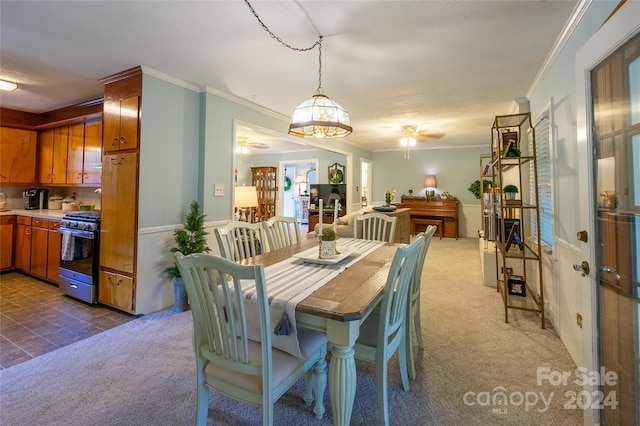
{"x":264,"y":179}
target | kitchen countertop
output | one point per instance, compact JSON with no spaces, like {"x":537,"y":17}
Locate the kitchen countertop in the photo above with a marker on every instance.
{"x":42,"y":214}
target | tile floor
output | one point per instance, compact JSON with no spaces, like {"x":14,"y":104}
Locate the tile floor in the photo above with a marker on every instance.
{"x":35,"y":318}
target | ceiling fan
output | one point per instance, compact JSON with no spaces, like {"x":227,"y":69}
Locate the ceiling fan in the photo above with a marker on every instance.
{"x":244,"y":144}
{"x":409,"y":135}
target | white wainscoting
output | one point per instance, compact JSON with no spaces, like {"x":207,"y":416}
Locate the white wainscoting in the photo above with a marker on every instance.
{"x":565,"y":287}
{"x":468,"y":220}
{"x":154,"y":291}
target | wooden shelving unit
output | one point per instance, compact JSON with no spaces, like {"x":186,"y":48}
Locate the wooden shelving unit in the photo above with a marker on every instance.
{"x":518,"y":254}
{"x":264,"y":179}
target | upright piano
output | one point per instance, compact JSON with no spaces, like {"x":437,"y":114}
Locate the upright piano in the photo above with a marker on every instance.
{"x":442,"y":212}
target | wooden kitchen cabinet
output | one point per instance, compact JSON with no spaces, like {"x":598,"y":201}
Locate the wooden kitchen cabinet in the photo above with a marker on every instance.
{"x":18,"y":150}
{"x":116,"y":290}
{"x":53,"y":154}
{"x":118,"y":226}
{"x":54,"y":250}
{"x":45,"y":249}
{"x":121,"y":124}
{"x":7,"y":232}
{"x":39,"y":247}
{"x":84,"y":153}
{"x":23,"y":244}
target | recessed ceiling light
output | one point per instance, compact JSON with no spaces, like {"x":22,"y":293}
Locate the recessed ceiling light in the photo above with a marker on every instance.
{"x":8,"y":85}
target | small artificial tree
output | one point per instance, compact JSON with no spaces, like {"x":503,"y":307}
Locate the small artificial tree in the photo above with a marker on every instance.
{"x":190,"y":239}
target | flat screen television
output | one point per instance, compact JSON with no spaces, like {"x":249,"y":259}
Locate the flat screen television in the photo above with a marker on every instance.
{"x":328,"y":193}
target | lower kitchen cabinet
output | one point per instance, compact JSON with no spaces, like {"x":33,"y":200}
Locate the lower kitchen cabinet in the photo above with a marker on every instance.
{"x":23,"y":244}
{"x":7,"y":231}
{"x":45,"y":249}
{"x":116,"y":291}
{"x":54,"y":245}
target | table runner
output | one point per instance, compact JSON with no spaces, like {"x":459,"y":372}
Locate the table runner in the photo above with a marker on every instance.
{"x":291,"y":281}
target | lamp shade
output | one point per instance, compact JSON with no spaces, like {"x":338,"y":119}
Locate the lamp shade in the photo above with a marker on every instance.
{"x":246,"y":196}
{"x":430,"y":181}
{"x":320,"y":117}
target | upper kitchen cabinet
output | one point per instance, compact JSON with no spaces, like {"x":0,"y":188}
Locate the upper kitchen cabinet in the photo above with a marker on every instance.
{"x":121,"y":124}
{"x":85,"y":153}
{"x":121,"y":113}
{"x":53,"y":153}
{"x":17,"y":156}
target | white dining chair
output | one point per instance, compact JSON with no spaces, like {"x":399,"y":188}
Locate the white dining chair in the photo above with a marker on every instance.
{"x":375,"y":226}
{"x":282,"y":232}
{"x":226,"y":360}
{"x":413,"y":310}
{"x":383,"y":332}
{"x":239,"y":240}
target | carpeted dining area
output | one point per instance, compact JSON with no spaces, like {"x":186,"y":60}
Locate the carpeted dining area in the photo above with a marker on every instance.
{"x":143,"y":372}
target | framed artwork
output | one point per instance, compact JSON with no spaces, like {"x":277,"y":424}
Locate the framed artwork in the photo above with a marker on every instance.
{"x":336,"y":173}
{"x":516,"y":286}
{"x":510,"y":137}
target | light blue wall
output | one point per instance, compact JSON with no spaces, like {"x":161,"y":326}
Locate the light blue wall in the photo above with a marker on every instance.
{"x":218,"y":131}
{"x":559,"y":86}
{"x":455,"y":170}
{"x":325,"y":159}
{"x":170,"y":139}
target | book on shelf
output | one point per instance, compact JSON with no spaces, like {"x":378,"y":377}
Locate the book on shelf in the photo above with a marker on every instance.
{"x":513,"y":202}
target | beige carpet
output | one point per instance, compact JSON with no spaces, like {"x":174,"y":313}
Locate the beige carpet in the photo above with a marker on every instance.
{"x":142,"y":373}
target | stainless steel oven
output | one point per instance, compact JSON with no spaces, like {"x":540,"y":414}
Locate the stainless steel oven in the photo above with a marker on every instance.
{"x":79,"y":257}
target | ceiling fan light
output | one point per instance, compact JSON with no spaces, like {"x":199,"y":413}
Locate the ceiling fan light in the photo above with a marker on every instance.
{"x":320,"y":117}
{"x":8,"y":86}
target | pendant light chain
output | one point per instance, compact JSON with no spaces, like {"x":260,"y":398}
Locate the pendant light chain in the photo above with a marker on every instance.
{"x":319,"y":117}
{"x":288,"y":46}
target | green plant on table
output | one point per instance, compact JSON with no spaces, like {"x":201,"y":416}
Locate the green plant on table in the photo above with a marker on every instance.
{"x":328,"y":234}
{"x":510,"y":188}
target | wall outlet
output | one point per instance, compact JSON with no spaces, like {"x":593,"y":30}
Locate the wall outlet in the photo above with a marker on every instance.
{"x":218,"y":190}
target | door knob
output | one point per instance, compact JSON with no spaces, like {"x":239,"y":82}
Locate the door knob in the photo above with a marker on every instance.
{"x":583,"y":236}
{"x":583,"y":267}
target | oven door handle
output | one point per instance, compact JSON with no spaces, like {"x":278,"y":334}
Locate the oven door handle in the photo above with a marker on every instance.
{"x":77,"y":233}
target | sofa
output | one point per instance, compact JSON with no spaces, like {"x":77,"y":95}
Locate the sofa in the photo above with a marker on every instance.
{"x":346,"y":224}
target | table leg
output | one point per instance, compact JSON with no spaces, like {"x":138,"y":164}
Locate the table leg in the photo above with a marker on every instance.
{"x":342,"y":369}
{"x":342,"y":383}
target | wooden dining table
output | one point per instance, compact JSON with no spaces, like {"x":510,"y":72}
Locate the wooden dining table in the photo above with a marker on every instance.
{"x":338,"y":308}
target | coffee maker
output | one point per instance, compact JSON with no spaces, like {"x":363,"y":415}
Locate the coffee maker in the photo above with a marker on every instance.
{"x":35,"y":198}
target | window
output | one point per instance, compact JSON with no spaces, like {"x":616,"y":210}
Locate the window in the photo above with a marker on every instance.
{"x":543,"y":149}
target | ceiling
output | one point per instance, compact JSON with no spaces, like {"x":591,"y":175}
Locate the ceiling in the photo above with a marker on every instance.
{"x":446,"y":66}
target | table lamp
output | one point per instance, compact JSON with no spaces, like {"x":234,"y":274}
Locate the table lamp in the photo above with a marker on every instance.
{"x":245,"y":197}
{"x":430,"y":183}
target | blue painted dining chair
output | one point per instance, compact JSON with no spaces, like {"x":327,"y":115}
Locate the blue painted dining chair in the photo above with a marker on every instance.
{"x":282,"y":232}
{"x":383,"y":332}
{"x":375,"y":226}
{"x":413,"y":310}
{"x":239,"y":240}
{"x":227,"y":360}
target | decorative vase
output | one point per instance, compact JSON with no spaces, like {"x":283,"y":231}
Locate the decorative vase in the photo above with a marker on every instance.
{"x":510,"y":195}
{"x":181,"y":301}
{"x":327,"y":249}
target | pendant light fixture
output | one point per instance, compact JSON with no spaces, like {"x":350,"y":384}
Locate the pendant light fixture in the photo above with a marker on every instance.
{"x":318,"y":117}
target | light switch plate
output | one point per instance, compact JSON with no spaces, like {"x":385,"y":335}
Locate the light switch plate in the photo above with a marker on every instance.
{"x":218,"y":190}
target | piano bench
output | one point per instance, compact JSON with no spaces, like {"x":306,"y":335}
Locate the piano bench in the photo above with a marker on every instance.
{"x":439,"y":223}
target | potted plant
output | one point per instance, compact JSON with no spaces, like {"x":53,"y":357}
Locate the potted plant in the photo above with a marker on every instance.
{"x":510,"y":191}
{"x":327,"y":243}
{"x":192,"y":238}
{"x":474,"y":188}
